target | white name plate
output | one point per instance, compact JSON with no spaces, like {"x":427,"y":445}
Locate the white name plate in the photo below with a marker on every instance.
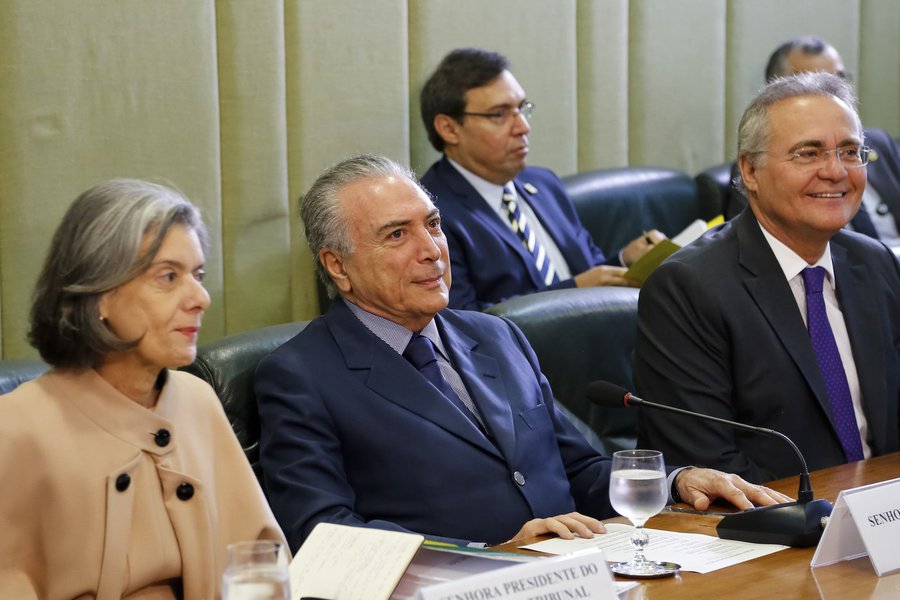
{"x":579,"y":575}
{"x":865,"y":520}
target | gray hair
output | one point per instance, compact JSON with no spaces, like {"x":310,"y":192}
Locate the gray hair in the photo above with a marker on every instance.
{"x":96,"y":249}
{"x":753,"y":131}
{"x":320,"y":211}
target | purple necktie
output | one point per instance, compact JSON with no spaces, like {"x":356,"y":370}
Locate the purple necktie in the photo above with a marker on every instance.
{"x":830,"y":364}
{"x":420,"y":352}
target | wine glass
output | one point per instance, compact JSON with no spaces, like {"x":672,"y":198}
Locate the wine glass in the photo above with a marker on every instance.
{"x":256,"y":570}
{"x":637,"y":491}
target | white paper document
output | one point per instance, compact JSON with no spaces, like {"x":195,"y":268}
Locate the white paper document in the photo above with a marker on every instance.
{"x":351,"y":563}
{"x":693,"y":551}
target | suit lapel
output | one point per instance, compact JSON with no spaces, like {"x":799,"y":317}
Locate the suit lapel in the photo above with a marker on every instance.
{"x":469,"y":197}
{"x":764,"y":280}
{"x":550,"y":222}
{"x":394,"y":379}
{"x":482,"y":377}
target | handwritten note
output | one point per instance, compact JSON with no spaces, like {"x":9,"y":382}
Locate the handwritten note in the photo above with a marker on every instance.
{"x":352,"y":563}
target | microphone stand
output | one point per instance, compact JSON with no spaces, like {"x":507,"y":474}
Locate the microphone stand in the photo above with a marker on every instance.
{"x":798,"y":524}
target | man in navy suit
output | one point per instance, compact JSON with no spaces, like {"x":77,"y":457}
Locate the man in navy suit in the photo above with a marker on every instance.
{"x":476,"y":114}
{"x":732,"y":327}
{"x":879,"y":215}
{"x":354,"y":432}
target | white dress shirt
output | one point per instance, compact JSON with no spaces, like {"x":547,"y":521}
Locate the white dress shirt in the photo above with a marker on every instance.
{"x":792,"y":265}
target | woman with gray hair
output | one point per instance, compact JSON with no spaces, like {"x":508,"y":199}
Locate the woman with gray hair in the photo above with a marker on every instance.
{"x":122,"y":477}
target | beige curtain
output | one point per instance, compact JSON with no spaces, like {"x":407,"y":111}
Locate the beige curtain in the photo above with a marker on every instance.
{"x":240,"y":103}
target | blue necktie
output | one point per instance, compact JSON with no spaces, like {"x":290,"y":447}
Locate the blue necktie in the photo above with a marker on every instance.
{"x":520,"y":225}
{"x":420,"y":352}
{"x":830,"y":364}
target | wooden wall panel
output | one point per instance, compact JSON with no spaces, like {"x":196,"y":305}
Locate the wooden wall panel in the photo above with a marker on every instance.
{"x":242,"y":105}
{"x":602,"y":56}
{"x":94,"y":90}
{"x":255,"y":232}
{"x":347,"y":90}
{"x":537,"y":36}
{"x":878,"y":79}
{"x":676,"y":77}
{"x":757,"y":27}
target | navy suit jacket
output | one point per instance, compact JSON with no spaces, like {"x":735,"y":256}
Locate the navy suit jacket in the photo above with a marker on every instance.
{"x":352,"y":433}
{"x":883,"y":173}
{"x":489,"y":263}
{"x":719,"y":332}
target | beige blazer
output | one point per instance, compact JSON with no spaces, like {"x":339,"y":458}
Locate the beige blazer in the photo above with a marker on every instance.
{"x":102,"y":498}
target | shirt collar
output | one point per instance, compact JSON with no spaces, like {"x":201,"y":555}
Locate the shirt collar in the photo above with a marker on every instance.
{"x":394,"y":335}
{"x":490,"y":192}
{"x":791,"y":263}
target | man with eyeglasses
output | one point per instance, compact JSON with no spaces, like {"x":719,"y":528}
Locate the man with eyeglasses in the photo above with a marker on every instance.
{"x":879,"y":215}
{"x":511,"y":229}
{"x":779,"y":318}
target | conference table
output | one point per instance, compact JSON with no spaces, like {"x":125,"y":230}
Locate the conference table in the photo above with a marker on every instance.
{"x":784,"y":574}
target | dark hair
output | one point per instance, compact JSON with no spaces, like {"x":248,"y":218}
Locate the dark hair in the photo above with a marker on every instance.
{"x":445,"y":91}
{"x":778,"y":62}
{"x":96,"y":249}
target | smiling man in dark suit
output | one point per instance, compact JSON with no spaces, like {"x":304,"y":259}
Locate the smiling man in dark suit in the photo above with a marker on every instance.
{"x":511,"y":229}
{"x":780,"y":318}
{"x":392,"y":411}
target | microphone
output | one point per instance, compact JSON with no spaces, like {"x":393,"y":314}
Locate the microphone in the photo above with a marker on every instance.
{"x":797,"y":524}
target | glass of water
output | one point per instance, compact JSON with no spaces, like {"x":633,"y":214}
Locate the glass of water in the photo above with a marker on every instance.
{"x":256,"y":570}
{"x":637,"y":491}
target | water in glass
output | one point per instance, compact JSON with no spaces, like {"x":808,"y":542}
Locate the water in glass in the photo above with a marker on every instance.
{"x":637,"y":490}
{"x":256,"y":570}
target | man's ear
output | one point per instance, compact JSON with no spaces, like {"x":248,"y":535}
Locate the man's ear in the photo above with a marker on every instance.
{"x":748,"y":173}
{"x":448,"y":128}
{"x":334,"y":265}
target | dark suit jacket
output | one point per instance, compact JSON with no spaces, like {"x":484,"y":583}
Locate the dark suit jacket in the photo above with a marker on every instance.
{"x":352,"y":433}
{"x":883,"y":173}
{"x":488,"y":262}
{"x":719,"y":332}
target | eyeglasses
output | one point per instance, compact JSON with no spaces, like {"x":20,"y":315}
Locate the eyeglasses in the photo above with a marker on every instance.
{"x":505,"y":115}
{"x":810,"y":157}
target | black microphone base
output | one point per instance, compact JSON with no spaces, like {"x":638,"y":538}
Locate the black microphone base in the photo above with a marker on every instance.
{"x":790,"y":524}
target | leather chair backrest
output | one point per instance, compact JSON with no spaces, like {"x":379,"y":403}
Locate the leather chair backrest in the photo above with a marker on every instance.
{"x":617,"y":205}
{"x":228,"y":365}
{"x":13,"y":373}
{"x":714,"y":187}
{"x":582,"y":335}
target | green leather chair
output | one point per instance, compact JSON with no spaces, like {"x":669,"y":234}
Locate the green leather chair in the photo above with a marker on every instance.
{"x":228,"y":364}
{"x":582,"y":335}
{"x":617,"y":205}
{"x":715,"y":187}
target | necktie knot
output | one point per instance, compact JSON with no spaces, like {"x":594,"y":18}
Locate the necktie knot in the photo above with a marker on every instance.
{"x":420,"y":351}
{"x":813,"y":278}
{"x":509,"y":196}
